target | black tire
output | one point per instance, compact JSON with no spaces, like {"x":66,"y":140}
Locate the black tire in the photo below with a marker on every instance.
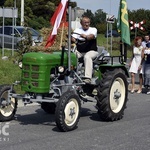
{"x":68,"y":111}
{"x":112,"y":95}
{"x":7,"y":112}
{"x":48,"y":107}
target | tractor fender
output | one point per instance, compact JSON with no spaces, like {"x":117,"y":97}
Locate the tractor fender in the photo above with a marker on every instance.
{"x":104,"y":67}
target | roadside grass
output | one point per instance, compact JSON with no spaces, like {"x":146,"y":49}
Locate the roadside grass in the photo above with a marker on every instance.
{"x":10,"y":71}
{"x":102,"y":41}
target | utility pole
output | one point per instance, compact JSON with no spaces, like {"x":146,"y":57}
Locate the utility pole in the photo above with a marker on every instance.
{"x":15,"y":8}
{"x":22,"y":12}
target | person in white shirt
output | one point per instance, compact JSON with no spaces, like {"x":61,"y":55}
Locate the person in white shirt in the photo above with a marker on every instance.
{"x":86,"y":45}
{"x":146,"y":40}
{"x":146,"y":58}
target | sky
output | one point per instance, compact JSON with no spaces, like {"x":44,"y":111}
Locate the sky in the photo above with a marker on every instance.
{"x":111,"y":6}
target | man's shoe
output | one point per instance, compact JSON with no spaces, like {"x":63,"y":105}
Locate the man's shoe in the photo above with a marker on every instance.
{"x":88,"y":81}
{"x":94,"y":92}
{"x":148,"y":93}
{"x":124,"y":63}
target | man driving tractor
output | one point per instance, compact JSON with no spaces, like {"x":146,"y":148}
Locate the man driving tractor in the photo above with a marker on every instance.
{"x":86,"y":45}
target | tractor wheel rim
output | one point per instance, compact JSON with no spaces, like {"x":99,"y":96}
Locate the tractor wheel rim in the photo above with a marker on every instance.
{"x":71,"y":112}
{"x":117,"y":95}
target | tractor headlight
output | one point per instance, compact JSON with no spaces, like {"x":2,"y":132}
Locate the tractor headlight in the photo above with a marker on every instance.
{"x":61,"y":69}
{"x":20,"y":64}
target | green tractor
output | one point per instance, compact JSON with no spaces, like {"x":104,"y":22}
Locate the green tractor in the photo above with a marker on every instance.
{"x":60,"y":90}
{"x":54,"y":80}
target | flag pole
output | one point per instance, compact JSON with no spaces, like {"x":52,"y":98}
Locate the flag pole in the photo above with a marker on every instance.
{"x":62,"y":34}
{"x":122,"y":51}
{"x":111,"y":38}
{"x":69,"y":37}
{"x":107,"y":36}
{"x":135,"y":32}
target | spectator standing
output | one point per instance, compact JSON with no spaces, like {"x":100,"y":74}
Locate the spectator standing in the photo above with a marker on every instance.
{"x":146,"y":57}
{"x":136,"y":64}
{"x":146,"y":40}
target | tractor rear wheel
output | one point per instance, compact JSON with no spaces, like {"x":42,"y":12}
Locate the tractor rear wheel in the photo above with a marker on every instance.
{"x":112,"y":95}
{"x":7,"y":110}
{"x":68,"y":111}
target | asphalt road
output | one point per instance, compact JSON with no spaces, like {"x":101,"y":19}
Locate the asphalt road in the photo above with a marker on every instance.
{"x":33,"y":129}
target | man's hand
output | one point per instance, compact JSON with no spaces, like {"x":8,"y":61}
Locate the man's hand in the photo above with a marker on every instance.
{"x":88,"y":37}
{"x":73,"y":40}
{"x":83,"y":36}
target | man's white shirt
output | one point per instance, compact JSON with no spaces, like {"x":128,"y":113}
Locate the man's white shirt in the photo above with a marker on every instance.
{"x":91,"y":30}
{"x":144,"y":43}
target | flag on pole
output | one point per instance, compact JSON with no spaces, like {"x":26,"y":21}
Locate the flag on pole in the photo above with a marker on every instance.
{"x":59,"y":15}
{"x":123,"y":23}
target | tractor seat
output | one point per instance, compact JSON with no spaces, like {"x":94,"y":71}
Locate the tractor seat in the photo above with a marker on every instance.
{"x":101,"y":59}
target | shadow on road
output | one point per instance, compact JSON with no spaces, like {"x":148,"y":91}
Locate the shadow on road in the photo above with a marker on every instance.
{"x":39,"y":117}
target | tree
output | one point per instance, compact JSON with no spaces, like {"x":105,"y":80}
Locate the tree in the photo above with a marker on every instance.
{"x":2,"y":2}
{"x":100,"y":21}
{"x":100,"y":16}
{"x":38,"y":13}
{"x":90,"y":15}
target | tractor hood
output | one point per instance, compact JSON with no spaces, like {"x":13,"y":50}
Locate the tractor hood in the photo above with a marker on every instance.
{"x":53,"y":58}
{"x":37,"y":67}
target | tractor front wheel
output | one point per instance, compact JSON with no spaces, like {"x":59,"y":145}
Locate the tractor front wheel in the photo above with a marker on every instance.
{"x":68,"y":111}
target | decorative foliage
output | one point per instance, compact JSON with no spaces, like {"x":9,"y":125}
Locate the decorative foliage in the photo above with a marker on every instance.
{"x":25,"y":44}
{"x":59,"y":42}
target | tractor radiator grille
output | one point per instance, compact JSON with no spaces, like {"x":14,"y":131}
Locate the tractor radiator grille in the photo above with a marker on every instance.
{"x":35,"y":77}
{"x":31,"y":72}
